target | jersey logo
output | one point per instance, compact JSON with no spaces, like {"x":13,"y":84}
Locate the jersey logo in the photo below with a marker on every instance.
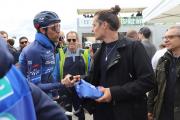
{"x":5,"y":88}
{"x":7,"y":116}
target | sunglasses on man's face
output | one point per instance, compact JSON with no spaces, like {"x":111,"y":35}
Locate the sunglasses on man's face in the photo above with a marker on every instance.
{"x":23,"y":42}
{"x":170,"y":37}
{"x":69,"y":40}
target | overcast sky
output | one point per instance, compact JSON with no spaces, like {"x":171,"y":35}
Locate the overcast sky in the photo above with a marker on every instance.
{"x":17,"y":15}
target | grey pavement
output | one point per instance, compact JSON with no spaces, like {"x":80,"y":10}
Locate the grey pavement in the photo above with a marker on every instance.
{"x":87,"y":117}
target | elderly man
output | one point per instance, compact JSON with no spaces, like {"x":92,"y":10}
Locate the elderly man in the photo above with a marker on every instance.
{"x":75,"y":61}
{"x":164,"y":100}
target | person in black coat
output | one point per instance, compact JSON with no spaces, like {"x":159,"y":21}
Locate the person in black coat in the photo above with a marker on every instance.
{"x":121,"y":69}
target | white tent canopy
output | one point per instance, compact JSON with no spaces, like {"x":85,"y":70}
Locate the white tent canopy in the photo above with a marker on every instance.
{"x":163,"y":11}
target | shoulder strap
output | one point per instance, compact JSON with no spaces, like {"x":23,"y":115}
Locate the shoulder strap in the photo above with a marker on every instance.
{"x":61,"y":61}
{"x":86,"y":58}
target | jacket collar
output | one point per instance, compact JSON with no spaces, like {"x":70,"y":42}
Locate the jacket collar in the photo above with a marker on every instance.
{"x":42,"y":39}
{"x":122,"y":42}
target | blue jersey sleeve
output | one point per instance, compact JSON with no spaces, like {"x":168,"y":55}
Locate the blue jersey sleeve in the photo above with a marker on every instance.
{"x":23,"y":64}
{"x":56,"y":72}
{"x":45,"y":107}
{"x":31,"y":63}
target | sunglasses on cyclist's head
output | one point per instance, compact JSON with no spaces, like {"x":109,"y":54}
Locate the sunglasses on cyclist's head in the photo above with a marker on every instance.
{"x":23,"y":42}
{"x":69,"y":40}
{"x":54,"y":27}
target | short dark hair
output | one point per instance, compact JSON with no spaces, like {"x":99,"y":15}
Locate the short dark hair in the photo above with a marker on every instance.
{"x":131,"y":33}
{"x":145,"y":31}
{"x":11,"y":41}
{"x":110,"y":16}
{"x":23,"y":37}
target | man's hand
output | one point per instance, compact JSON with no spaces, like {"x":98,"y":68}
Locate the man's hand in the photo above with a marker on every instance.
{"x":150,"y":116}
{"x":107,"y":95}
{"x":70,"y":80}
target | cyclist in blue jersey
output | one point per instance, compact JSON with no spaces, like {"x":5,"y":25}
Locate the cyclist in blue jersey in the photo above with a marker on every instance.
{"x":20,"y":100}
{"x":37,"y":60}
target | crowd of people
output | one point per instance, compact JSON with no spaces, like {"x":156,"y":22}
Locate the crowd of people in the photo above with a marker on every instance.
{"x":37,"y":79}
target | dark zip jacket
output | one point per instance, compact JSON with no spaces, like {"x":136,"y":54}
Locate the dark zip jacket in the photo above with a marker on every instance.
{"x":129,"y":75}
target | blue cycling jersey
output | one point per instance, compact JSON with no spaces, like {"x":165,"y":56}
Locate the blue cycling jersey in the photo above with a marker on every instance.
{"x":15,"y":97}
{"x":37,"y":62}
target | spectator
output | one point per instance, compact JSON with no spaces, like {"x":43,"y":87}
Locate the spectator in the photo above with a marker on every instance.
{"x":4,"y":35}
{"x":12,"y":50}
{"x":139,"y":14}
{"x":75,"y":61}
{"x":164,"y":99}
{"x":158,"y":55}
{"x":11,"y":42}
{"x":61,"y":41}
{"x":23,"y":42}
{"x":144,"y":36}
{"x":132,"y":34}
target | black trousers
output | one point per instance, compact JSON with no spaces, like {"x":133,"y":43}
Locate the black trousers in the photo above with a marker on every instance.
{"x":168,"y":116}
{"x":69,"y":98}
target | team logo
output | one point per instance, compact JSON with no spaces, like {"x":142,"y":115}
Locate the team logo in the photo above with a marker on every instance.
{"x":5,"y":88}
{"x":7,"y":116}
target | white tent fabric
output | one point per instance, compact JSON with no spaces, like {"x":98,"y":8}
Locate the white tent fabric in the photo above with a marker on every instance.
{"x":163,"y":11}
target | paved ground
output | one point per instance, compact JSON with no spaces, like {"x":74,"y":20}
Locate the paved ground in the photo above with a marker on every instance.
{"x":87,"y":117}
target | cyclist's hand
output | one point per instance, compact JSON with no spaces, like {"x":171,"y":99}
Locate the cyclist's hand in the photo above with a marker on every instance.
{"x":70,"y":80}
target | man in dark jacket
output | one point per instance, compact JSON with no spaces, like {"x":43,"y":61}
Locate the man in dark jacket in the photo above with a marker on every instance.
{"x":144,"y":37}
{"x":20,"y":100}
{"x":164,"y":100}
{"x":122,"y":70}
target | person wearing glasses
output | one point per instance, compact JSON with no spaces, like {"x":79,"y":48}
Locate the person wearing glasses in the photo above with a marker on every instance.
{"x":19,"y":99}
{"x":75,"y":61}
{"x":23,"y":42}
{"x":164,"y":99}
{"x":37,"y":60}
